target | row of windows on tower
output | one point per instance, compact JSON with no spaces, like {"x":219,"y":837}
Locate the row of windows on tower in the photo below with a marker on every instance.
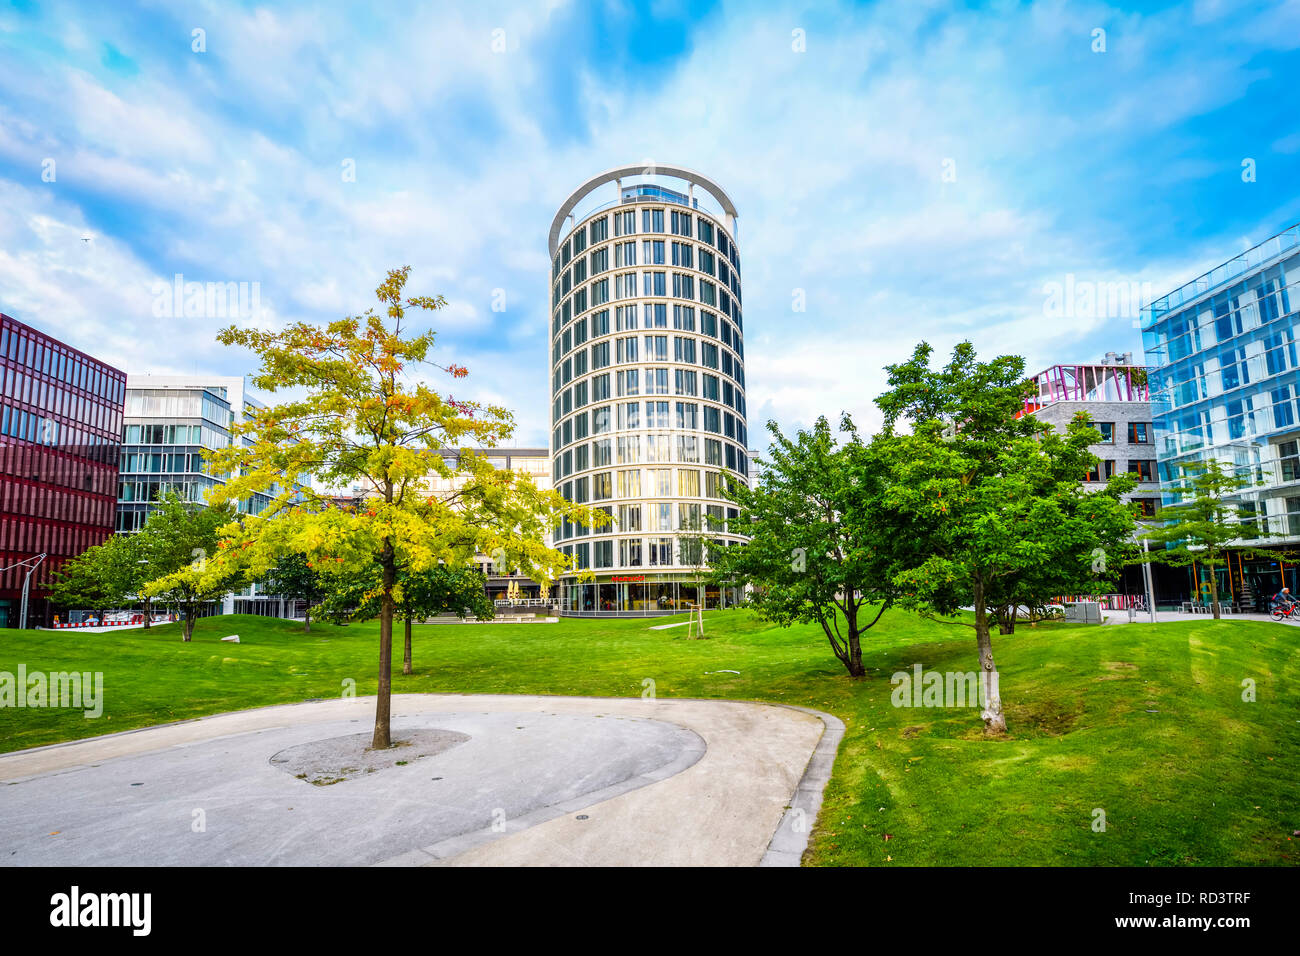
{"x":628,"y":351}
{"x":1249,"y":362}
{"x":654,"y":381}
{"x":649,"y":449}
{"x":639,"y":483}
{"x":643,"y":483}
{"x":653,"y":285}
{"x":650,"y":316}
{"x":90,"y":469}
{"x":631,"y":382}
{"x":21,"y":537}
{"x":694,"y":521}
{"x":654,"y":252}
{"x":653,"y":220}
{"x":638,"y":553}
{"x":627,"y":416}
{"x":53,"y":401}
{"x":652,"y":348}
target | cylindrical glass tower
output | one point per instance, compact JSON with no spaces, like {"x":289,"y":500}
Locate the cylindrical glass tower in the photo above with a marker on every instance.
{"x":647,"y":386}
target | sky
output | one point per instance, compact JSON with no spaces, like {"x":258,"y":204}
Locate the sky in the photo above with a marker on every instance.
{"x":1015,"y":174}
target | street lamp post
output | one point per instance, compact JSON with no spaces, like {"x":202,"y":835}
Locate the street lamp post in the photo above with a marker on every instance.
{"x":1146,"y":578}
{"x":31,"y":564}
{"x":148,"y":604}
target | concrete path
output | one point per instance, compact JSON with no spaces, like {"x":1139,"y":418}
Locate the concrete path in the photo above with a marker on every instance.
{"x":539,"y":781}
{"x":1165,"y":617}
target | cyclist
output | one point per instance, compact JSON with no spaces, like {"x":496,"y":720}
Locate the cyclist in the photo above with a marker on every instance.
{"x":1283,"y":599}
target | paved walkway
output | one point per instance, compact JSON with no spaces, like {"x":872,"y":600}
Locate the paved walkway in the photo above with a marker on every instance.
{"x":1162,"y":617}
{"x":539,"y":781}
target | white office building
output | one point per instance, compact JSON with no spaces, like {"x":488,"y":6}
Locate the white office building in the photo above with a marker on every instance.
{"x":648,"y":386}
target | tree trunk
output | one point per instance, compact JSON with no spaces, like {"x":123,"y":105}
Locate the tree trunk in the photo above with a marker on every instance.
{"x":307,"y":625}
{"x":855,"y":654}
{"x":855,"y":639}
{"x":1214,"y":593}
{"x":1007,"y":619}
{"x":994,"y":720}
{"x":850,"y":654}
{"x":148,"y":612}
{"x":188,"y":628}
{"x":406,"y":656}
{"x":382,"y":738}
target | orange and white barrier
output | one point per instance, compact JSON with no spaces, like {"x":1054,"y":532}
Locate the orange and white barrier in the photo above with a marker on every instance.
{"x":138,"y":619}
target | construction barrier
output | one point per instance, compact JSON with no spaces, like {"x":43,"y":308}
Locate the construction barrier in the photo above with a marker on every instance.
{"x":1110,"y":602}
{"x":138,"y":619}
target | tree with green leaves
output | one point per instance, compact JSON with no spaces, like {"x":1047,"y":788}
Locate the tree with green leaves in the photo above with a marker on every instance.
{"x":107,"y":576}
{"x":361,"y":413}
{"x":823,"y":547}
{"x":419,"y":595}
{"x":181,"y":540}
{"x":995,"y":497}
{"x":1200,"y":527}
{"x":295,"y":577}
{"x":1069,"y":572}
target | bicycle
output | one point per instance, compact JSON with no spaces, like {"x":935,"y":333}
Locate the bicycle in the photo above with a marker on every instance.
{"x":1290,"y":612}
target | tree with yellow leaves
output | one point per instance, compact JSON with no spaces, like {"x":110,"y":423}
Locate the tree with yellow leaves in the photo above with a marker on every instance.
{"x":362,"y":417}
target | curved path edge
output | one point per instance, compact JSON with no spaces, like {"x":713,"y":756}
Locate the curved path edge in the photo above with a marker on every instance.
{"x":790,"y":841}
{"x":748,"y":795}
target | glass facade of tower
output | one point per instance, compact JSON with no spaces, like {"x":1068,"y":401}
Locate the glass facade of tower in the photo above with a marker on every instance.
{"x":60,"y":426}
{"x":1225,"y":375}
{"x":648,"y":397}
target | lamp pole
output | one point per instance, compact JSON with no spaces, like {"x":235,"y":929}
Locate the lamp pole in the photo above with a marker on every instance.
{"x":148,"y":604}
{"x":1146,"y":578}
{"x":31,"y":564}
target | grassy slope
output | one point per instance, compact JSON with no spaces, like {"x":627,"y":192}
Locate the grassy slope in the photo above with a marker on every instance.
{"x":1207,"y":779}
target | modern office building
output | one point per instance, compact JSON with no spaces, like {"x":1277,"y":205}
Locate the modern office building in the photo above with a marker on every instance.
{"x":647,"y":385}
{"x":1224,"y":379}
{"x":503,"y":585}
{"x":60,"y":435}
{"x":1115,"y":394}
{"x":169,"y":421}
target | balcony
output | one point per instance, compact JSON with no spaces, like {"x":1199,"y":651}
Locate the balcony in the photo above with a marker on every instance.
{"x":1088,"y":383}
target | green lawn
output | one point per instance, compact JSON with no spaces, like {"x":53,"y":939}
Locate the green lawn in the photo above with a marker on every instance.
{"x":1204,"y":779}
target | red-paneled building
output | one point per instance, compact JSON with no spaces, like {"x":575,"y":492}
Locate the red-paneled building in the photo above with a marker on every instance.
{"x":60,"y":438}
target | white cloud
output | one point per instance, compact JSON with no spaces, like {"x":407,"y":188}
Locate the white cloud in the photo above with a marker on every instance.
{"x":232,"y":161}
{"x":95,"y":296}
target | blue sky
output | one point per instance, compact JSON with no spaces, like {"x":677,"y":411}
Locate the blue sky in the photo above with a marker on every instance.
{"x":915,"y":170}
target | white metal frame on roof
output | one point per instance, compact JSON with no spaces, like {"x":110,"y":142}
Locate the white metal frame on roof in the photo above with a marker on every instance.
{"x":640,"y":169}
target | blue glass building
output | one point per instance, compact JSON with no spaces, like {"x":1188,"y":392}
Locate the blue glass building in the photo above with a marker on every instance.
{"x":1224,"y":375}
